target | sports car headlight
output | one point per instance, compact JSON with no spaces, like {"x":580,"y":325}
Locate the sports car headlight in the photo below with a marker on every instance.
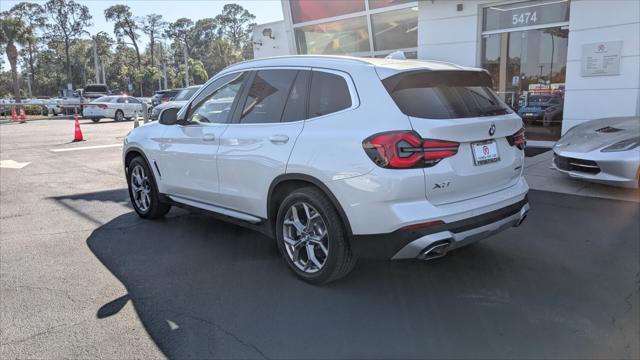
{"x":623,"y":145}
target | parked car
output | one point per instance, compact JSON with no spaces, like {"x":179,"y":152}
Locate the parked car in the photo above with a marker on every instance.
{"x":54,"y":106}
{"x":603,"y":150}
{"x":148,"y":102}
{"x":339,"y":158}
{"x":179,"y":100}
{"x":544,"y":108}
{"x":163,"y":96}
{"x":117,"y":107}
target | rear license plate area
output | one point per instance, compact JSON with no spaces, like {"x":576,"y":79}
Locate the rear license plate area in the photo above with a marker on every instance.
{"x":485,"y":152}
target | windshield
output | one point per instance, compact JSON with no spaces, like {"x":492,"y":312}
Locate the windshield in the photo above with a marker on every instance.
{"x":539,"y":99}
{"x":445,"y":94}
{"x":186,"y":94}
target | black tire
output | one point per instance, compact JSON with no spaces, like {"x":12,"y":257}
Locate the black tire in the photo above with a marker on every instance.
{"x":156,"y":208}
{"x":119,"y":116}
{"x":340,"y":260}
{"x":95,"y":120}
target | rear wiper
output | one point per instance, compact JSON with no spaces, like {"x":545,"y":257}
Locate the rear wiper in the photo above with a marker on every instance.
{"x":494,"y":111}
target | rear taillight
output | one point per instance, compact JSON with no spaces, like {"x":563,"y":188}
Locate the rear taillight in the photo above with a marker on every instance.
{"x":518,"y":139}
{"x":102,"y":106}
{"x":406,"y":149}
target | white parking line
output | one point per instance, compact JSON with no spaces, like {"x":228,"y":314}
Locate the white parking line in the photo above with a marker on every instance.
{"x":12,"y":164}
{"x":86,"y":147}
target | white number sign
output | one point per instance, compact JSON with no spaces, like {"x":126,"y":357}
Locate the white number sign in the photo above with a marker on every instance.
{"x":524,"y":18}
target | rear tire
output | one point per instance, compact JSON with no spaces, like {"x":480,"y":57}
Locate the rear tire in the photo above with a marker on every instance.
{"x":95,"y":120}
{"x":319,"y":253}
{"x":143,"y":190}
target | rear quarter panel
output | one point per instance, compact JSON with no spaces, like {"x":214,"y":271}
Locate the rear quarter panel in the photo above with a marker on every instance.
{"x":330,"y":147}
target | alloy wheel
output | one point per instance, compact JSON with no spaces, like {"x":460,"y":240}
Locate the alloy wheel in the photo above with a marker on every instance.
{"x":141,"y":188}
{"x":305,"y":237}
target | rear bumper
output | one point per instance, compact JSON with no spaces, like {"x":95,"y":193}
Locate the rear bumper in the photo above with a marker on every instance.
{"x":409,"y":244}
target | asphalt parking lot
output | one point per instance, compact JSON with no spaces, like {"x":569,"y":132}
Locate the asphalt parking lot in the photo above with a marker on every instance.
{"x":82,"y":276}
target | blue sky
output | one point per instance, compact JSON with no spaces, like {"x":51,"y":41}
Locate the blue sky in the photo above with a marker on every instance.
{"x":264,"y":10}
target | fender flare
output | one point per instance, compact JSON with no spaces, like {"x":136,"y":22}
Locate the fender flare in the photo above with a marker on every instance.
{"x":319,"y":184}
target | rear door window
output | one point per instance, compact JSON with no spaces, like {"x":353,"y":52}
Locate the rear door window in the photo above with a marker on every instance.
{"x":328,"y":93}
{"x":296,"y":108}
{"x":267,"y":96}
{"x":445,"y":94}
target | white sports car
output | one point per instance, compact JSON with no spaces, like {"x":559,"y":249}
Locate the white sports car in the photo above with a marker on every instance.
{"x":603,"y":150}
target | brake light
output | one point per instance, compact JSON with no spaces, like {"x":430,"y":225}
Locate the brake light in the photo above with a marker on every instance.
{"x":102,"y":106}
{"x":436,"y":150}
{"x":406,"y":149}
{"x":518,"y":139}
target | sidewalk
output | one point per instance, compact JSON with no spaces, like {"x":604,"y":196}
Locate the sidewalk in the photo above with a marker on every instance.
{"x":540,"y":176}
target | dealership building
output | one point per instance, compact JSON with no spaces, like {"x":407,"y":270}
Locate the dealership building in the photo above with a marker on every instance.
{"x":580,"y":59}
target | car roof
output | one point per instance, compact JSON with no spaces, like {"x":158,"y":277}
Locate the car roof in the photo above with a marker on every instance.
{"x":384,"y":67}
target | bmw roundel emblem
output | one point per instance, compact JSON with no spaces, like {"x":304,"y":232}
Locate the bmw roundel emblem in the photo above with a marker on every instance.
{"x":492,"y":129}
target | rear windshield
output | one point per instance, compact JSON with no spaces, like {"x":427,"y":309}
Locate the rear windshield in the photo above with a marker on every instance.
{"x":186,"y":94}
{"x":103,"y":99}
{"x":445,"y":94}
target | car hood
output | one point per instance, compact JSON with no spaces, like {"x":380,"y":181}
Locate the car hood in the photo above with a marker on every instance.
{"x":596,"y":134}
{"x":171,"y":104}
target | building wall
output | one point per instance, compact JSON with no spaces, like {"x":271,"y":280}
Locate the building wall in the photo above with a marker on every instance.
{"x":264,"y":46}
{"x":446,"y":34}
{"x":602,"y":96}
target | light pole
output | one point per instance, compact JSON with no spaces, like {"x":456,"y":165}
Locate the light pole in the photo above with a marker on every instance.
{"x":29,"y":84}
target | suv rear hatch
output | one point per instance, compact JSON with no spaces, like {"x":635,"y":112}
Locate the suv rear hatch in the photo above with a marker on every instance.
{"x":459,"y":106}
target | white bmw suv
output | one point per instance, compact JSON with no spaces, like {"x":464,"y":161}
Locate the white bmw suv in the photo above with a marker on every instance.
{"x":339,"y":158}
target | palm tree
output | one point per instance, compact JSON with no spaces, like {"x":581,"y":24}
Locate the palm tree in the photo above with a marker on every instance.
{"x":12,"y":32}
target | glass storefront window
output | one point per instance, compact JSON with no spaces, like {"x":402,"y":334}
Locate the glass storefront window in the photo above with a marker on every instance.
{"x":395,"y":29}
{"x":528,"y":13}
{"x":337,"y":37}
{"x":308,"y":10}
{"x":376,"y":4}
{"x":529,"y":71}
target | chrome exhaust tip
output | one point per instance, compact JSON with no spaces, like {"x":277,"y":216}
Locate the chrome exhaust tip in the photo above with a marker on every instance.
{"x":435,"y":250}
{"x":521,"y":220}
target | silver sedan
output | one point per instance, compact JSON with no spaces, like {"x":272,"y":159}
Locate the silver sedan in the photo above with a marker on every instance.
{"x":603,"y":150}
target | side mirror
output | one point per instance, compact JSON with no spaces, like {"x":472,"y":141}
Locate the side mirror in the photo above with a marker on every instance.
{"x":168,"y":116}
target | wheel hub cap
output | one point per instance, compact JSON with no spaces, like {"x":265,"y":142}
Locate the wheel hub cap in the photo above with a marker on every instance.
{"x":140,"y":188}
{"x":305,"y":237}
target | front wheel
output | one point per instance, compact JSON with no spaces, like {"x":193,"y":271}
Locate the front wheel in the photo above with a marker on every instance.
{"x":143,"y":190}
{"x":312,"y":237}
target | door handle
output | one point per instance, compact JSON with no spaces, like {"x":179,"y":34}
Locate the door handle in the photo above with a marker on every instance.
{"x":279,"y":139}
{"x":208,"y":137}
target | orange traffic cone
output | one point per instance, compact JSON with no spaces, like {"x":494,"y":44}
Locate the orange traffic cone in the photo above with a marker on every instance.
{"x":14,"y":116}
{"x":23,"y":116}
{"x":77,"y":136}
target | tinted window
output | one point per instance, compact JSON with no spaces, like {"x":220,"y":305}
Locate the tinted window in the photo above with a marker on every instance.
{"x":96,"y":88}
{"x":296,"y":108}
{"x":103,"y":99}
{"x":267,"y":96}
{"x":186,"y":94}
{"x":445,"y":94}
{"x":329,"y":93}
{"x":215,"y":105}
{"x":122,"y":100}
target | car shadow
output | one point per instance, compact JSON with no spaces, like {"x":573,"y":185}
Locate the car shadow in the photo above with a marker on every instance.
{"x":206,"y":289}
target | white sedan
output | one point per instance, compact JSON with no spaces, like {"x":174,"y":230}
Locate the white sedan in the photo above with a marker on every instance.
{"x":117,"y":107}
